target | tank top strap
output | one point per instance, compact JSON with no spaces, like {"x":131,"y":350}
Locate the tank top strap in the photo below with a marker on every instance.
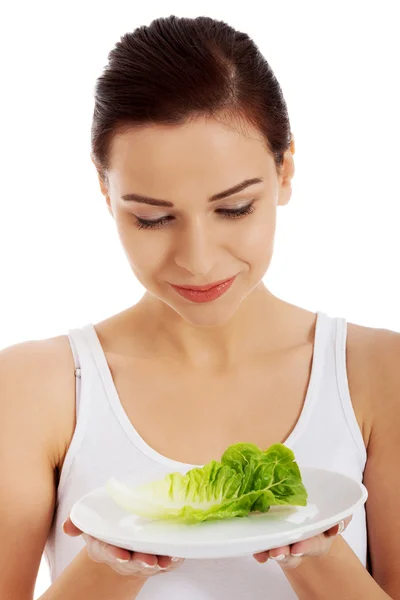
{"x":83,"y":360}
{"x":331,"y":396}
{"x":322,"y":341}
{"x":343,"y":386}
{"x":85,"y":378}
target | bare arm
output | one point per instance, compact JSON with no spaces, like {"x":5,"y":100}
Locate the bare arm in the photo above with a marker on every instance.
{"x":340,"y":574}
{"x":30,"y":373}
{"x":84,"y":578}
{"x":27,"y":480}
{"x":382,"y":473}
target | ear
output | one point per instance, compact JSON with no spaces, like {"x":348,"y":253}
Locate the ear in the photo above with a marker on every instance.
{"x":285,"y":179}
{"x":103,"y":185}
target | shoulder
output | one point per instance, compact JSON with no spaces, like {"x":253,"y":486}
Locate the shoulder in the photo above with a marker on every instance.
{"x":373,"y":359}
{"x":37,"y":378}
{"x":372,"y":341}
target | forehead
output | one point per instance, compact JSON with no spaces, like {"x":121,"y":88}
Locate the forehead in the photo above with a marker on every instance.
{"x":197,"y":149}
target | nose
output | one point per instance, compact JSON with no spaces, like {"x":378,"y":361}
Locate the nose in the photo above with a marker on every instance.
{"x":195,"y":250}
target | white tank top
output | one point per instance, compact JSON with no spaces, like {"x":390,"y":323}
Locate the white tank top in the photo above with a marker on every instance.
{"x":105,"y":443}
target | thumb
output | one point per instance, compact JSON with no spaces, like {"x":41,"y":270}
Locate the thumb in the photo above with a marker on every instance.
{"x":70,"y":529}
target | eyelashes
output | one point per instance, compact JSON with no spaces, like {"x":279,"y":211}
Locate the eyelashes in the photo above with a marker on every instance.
{"x":228,"y":213}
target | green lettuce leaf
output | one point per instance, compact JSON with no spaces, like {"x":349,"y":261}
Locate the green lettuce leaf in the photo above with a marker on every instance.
{"x":246,"y":480}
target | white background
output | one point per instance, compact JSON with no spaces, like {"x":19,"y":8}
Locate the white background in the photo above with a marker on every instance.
{"x":337,"y":244}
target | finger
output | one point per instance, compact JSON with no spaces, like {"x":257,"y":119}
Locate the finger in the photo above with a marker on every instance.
{"x":139,"y":567}
{"x":124,"y":561}
{"x":148,"y":559}
{"x":70,"y":529}
{"x":262,"y":557}
{"x":279,"y":553}
{"x":290,"y":562}
{"x":167,"y":562}
{"x":115,"y":552}
{"x":100,"y":551}
{"x":339,"y":527}
{"x":96,"y":549}
{"x":119,"y":559}
{"x":318,"y":544}
{"x":111,"y":552}
{"x":284,"y":558}
{"x":164,"y":562}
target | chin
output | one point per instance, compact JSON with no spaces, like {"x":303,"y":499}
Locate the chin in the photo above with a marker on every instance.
{"x":208,"y":314}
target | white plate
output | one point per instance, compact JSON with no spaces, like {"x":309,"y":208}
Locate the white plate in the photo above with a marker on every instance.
{"x":332,"y":497}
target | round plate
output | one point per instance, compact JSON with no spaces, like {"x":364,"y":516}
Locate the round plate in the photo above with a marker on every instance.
{"x":332,"y":497}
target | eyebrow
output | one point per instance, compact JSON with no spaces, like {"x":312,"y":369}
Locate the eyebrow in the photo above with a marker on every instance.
{"x":156,"y":202}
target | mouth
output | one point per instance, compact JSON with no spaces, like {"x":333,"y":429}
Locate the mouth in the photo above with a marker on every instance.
{"x":204,"y":293}
{"x":203,"y":288}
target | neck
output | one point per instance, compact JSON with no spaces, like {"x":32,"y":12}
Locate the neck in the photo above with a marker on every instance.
{"x":262,"y":324}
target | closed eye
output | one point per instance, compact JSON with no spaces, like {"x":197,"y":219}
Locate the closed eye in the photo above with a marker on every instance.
{"x":230,"y":213}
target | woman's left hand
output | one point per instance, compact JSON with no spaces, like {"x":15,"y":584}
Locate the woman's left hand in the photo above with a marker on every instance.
{"x":290,"y":557}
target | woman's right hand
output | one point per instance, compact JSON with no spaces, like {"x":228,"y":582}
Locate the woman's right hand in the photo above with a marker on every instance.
{"x":136,"y":563}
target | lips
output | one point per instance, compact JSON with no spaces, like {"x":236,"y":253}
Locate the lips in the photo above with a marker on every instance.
{"x":205,"y":295}
{"x":202,"y":288}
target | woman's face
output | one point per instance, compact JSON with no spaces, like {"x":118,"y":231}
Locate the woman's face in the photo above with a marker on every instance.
{"x":195,"y":242}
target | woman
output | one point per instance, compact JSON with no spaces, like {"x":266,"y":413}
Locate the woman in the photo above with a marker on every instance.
{"x":192,"y":144}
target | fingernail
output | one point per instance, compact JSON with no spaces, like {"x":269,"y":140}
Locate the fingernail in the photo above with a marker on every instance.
{"x":145,"y":565}
{"x":123,"y":560}
{"x":175,"y":559}
{"x":300,"y":554}
{"x":279,"y":557}
{"x":341,"y":527}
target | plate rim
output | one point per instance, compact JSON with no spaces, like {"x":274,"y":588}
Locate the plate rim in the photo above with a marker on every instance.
{"x":218,"y":543}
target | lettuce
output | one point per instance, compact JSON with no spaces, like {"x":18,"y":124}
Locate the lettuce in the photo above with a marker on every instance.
{"x":246,"y":480}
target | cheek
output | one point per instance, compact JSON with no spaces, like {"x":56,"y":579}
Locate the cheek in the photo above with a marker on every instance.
{"x":145,"y":250}
{"x":256,"y":241}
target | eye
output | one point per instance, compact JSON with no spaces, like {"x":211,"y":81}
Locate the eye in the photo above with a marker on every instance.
{"x":230,"y":213}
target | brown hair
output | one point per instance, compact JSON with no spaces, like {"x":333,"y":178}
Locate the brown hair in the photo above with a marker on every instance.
{"x":177,"y":68}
